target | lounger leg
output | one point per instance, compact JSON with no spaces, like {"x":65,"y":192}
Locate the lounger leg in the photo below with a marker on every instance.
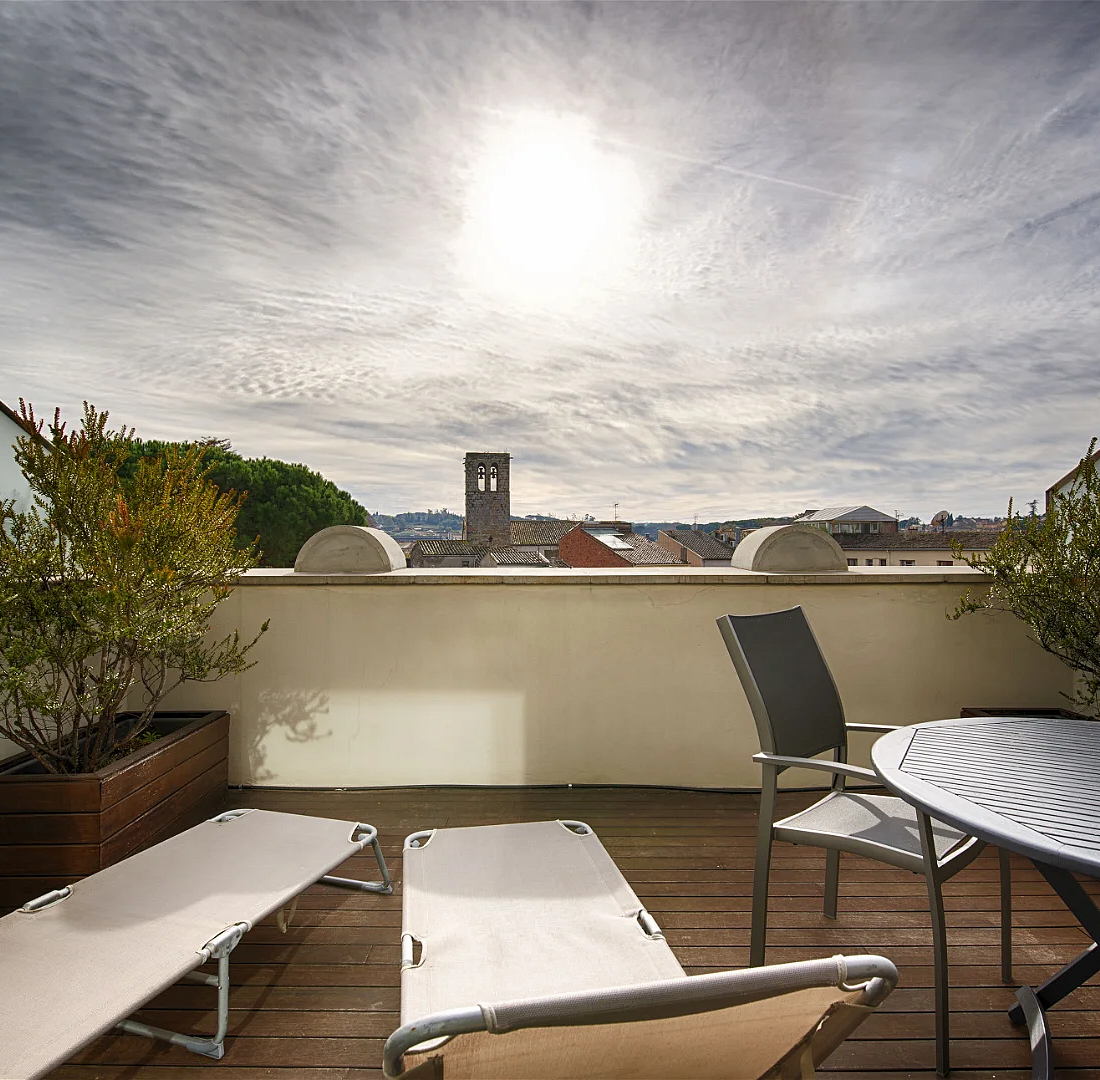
{"x":832,"y":881}
{"x":383,"y":886}
{"x":939,"y":947}
{"x":208,"y":1047}
{"x":762,"y":869}
{"x":1006,"y":915}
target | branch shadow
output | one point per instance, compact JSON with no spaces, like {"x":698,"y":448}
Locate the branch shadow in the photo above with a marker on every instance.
{"x":295,"y":713}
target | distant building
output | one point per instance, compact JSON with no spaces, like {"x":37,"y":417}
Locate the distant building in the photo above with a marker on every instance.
{"x":694,"y":547}
{"x":734,"y":534}
{"x":910,"y":548}
{"x":426,"y":553}
{"x":611,"y":544}
{"x":488,"y":499}
{"x":542,"y":536}
{"x":520,"y":557}
{"x":1066,"y":483}
{"x":849,"y":520}
{"x":13,"y":484}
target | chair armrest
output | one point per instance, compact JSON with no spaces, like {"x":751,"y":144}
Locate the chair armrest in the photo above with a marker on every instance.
{"x":837,"y":768}
{"x":872,"y":727}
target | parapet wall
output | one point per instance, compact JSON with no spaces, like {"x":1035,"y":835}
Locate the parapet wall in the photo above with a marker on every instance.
{"x":571,"y":676}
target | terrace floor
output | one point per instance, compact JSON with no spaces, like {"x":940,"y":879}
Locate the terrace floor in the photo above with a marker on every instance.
{"x":317,"y":1003}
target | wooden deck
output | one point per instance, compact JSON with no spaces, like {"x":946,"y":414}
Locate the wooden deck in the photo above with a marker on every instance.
{"x":317,"y":1003}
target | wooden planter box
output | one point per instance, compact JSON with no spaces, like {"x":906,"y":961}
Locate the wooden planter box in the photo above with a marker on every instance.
{"x":56,"y":829}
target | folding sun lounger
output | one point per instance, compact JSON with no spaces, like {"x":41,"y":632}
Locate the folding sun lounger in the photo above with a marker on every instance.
{"x":75,"y":962}
{"x":538,"y":961}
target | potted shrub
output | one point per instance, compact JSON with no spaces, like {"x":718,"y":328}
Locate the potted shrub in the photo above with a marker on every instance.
{"x":1046,"y":571}
{"x":107,"y":587}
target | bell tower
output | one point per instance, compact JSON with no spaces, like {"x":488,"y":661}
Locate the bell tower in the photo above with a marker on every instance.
{"x":488,"y":500}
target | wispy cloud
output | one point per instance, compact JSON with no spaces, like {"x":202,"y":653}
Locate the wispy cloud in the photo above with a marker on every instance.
{"x":865,"y":265}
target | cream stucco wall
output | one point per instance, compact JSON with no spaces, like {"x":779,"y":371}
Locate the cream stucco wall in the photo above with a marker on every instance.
{"x":513,"y":677}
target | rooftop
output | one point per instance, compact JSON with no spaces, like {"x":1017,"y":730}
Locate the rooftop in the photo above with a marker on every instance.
{"x":844,"y":513}
{"x":514,"y":557}
{"x":705,"y":545}
{"x":318,"y":1002}
{"x":446,"y":547}
{"x":540,"y":532}
{"x":969,"y":539}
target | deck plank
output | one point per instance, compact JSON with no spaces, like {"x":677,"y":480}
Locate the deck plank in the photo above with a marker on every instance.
{"x":317,"y":1002}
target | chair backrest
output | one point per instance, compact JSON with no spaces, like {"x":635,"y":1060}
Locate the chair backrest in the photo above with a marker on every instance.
{"x":791,"y":692}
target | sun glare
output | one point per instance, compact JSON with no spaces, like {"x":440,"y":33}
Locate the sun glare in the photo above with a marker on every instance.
{"x":550,"y":212}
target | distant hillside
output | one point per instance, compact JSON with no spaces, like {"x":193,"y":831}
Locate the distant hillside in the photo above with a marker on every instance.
{"x":443,"y":521}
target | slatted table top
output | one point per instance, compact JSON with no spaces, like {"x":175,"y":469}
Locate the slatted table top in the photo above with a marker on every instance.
{"x":1027,"y":784}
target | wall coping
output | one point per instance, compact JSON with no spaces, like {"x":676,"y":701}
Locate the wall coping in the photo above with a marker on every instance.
{"x":657,"y":575}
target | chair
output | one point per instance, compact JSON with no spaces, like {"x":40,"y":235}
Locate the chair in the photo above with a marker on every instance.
{"x":76,"y":962}
{"x":538,"y":962}
{"x":799,"y":715}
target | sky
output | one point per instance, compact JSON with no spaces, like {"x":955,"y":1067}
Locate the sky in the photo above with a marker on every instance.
{"x":694,"y":259}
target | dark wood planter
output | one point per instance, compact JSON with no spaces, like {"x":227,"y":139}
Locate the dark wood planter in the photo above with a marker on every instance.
{"x":1065,"y":714}
{"x":56,"y":829}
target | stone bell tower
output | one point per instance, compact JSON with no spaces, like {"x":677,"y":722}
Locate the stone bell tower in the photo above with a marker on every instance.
{"x":488,"y":501}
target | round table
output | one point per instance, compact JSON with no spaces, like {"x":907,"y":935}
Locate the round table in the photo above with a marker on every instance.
{"x":1025,"y":784}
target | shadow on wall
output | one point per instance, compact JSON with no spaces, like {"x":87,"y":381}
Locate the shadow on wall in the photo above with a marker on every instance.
{"x":295,"y":712}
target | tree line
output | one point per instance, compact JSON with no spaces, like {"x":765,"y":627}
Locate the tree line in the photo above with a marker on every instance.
{"x":284,"y":504}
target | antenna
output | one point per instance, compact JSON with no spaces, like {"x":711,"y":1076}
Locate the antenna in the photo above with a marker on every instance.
{"x":616,"y":515}
{"x":695,"y":522}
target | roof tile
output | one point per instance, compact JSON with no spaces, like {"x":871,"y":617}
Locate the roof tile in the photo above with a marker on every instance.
{"x":705,"y":545}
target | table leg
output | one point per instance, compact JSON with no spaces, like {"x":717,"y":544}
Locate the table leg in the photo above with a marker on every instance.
{"x":1038,"y":1034}
{"x":1076,"y":971}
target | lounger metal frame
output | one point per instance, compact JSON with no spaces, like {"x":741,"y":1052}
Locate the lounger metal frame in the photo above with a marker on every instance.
{"x":875,"y":976}
{"x":221,"y":945}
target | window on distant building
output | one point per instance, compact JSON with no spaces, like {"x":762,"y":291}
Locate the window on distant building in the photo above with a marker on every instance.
{"x":874,"y":526}
{"x":853,"y":562}
{"x":882,"y":562}
{"x":869,"y":562}
{"x":944,"y":562}
{"x":908,"y":562}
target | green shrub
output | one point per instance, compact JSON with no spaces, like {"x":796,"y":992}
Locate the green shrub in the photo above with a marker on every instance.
{"x":107,"y":586}
{"x":1046,"y":571}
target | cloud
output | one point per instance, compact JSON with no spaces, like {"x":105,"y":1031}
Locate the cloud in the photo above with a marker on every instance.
{"x":864,"y":266}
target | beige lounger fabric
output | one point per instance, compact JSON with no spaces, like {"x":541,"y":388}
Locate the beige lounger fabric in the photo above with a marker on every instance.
{"x":511,"y":913}
{"x":514,"y":911}
{"x":778,"y":1037}
{"x":72,"y":971}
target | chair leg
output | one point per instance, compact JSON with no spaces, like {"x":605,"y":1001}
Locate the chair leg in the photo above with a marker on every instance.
{"x":1006,"y":915}
{"x":762,"y":869}
{"x":832,"y":881}
{"x":939,"y":947}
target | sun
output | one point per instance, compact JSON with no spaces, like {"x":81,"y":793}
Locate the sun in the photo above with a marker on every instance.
{"x":550,"y":212}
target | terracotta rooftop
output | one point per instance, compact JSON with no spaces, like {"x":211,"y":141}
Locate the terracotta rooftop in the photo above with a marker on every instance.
{"x":510,"y":556}
{"x":970,"y":539}
{"x":540,"y":532}
{"x":644,"y":552}
{"x":446,"y":547}
{"x":705,"y":545}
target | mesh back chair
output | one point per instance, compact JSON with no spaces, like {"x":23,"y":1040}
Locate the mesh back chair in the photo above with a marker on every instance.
{"x":798,"y":715}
